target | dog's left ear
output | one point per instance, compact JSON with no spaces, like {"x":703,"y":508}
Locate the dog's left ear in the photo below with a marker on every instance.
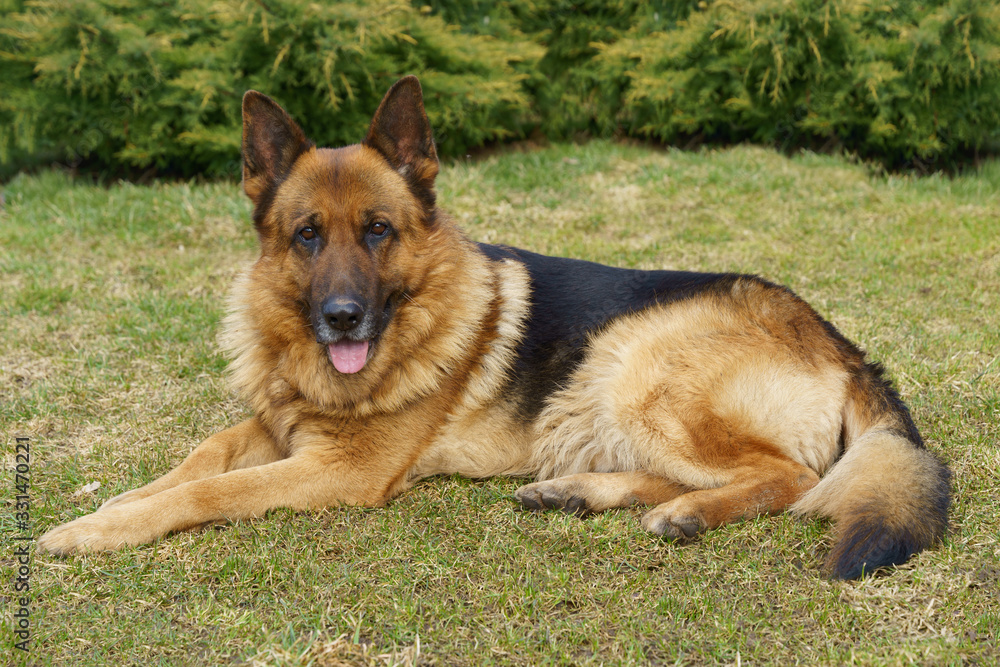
{"x":400,"y":132}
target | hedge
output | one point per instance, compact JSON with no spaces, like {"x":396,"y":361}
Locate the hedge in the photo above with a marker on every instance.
{"x":900,"y":82}
{"x":125,"y":85}
{"x":129,"y":84}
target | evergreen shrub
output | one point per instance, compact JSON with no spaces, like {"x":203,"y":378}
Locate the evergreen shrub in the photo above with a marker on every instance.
{"x":124,"y":85}
{"x":902,"y":82}
{"x":131,"y":84}
{"x":907,"y":82}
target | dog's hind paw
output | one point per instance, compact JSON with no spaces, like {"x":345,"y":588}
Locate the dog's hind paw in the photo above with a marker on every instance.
{"x":670,"y":524}
{"x":554,"y":495}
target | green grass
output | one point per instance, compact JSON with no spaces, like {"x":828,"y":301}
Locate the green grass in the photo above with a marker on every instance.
{"x":109,"y":303}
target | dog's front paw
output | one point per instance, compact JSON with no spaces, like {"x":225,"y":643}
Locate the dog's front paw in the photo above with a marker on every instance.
{"x":94,"y":532}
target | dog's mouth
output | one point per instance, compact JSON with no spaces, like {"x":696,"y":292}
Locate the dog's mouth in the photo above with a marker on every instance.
{"x":349,"y":356}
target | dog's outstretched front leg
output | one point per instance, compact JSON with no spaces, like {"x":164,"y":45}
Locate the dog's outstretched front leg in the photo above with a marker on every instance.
{"x":305,"y":480}
{"x":242,"y":446}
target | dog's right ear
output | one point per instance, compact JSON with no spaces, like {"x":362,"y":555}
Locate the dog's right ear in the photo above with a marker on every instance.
{"x":271,"y":144}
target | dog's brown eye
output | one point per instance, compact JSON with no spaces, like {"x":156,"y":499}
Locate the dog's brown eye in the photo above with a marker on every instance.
{"x":307,"y":233}
{"x":378,"y":229}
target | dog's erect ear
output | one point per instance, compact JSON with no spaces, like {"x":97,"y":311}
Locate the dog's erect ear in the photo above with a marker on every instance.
{"x":400,"y":131}
{"x":271,"y":143}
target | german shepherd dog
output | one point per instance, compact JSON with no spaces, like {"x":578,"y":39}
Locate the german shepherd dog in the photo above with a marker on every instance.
{"x":378,"y":345}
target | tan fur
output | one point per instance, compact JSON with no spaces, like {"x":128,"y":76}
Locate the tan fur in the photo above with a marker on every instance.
{"x":713,"y":408}
{"x":707,"y":394}
{"x":651,"y":379}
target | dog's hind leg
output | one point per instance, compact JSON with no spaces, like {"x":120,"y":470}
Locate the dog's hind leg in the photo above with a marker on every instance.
{"x":588,"y":492}
{"x":761,"y":485}
{"x":735,"y":471}
{"x":242,"y":446}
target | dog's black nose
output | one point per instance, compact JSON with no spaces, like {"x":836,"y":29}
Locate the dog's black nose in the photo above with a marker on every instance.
{"x":343,"y":313}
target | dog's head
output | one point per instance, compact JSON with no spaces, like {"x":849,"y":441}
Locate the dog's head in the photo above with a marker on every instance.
{"x":344,"y":232}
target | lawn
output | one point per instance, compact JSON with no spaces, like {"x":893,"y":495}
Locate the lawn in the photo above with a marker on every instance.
{"x":111,"y":298}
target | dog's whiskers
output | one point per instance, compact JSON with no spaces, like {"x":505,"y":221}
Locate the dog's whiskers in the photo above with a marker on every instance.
{"x":413,"y":301}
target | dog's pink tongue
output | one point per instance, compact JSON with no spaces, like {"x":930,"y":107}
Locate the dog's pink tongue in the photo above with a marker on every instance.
{"x":349,"y":356}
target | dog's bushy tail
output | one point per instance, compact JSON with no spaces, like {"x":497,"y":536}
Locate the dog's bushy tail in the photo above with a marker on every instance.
{"x":888,"y":495}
